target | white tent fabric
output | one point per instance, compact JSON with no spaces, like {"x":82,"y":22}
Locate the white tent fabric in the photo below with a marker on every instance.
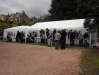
{"x":77,"y":24}
{"x":14,"y":30}
{"x":64,"y":24}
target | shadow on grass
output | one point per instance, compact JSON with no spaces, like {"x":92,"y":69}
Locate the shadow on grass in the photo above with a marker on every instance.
{"x":90,"y":62}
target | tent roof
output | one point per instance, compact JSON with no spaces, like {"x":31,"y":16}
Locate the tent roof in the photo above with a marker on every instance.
{"x":18,"y":28}
{"x":64,"y":24}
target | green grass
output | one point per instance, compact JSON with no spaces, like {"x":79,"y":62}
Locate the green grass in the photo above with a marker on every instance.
{"x":69,"y":47}
{"x":25,"y":43}
{"x":2,"y":41}
{"x":90,"y":62}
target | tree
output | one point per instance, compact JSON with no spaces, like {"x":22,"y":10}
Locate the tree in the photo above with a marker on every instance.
{"x":92,"y":24}
{"x":96,"y":24}
{"x":3,"y":25}
{"x":74,"y":9}
{"x":62,"y":9}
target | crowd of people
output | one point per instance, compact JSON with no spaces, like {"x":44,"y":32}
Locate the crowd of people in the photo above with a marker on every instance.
{"x":60,"y":39}
{"x":20,"y":37}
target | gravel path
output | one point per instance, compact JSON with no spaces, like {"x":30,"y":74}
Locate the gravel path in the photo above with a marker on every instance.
{"x":22,"y":59}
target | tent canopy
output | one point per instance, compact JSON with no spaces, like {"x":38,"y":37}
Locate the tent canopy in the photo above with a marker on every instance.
{"x":18,"y":28}
{"x":14,"y":30}
{"x":77,"y":24}
{"x":64,"y":24}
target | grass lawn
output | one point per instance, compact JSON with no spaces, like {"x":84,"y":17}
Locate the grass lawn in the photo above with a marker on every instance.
{"x":90,"y":62}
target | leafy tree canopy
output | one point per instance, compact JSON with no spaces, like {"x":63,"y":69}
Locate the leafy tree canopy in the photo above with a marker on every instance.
{"x":74,"y":9}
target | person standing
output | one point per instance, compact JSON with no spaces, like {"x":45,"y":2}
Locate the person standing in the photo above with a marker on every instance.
{"x":86,"y":39}
{"x":70,"y":37}
{"x":18,"y":36}
{"x":33,"y":37}
{"x":47,"y":35}
{"x":49,"y":41}
{"x":63,"y":39}
{"x":80,"y":38}
{"x":53,"y":37}
{"x":57,"y":39}
{"x":42,"y":36}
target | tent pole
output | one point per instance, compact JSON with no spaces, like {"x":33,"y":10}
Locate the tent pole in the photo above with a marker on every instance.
{"x":25,"y":37}
{"x":90,"y":40}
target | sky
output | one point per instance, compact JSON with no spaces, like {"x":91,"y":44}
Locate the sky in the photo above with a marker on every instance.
{"x":32,"y":8}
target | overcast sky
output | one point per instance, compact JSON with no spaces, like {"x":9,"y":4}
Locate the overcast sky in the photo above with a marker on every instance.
{"x":32,"y":7}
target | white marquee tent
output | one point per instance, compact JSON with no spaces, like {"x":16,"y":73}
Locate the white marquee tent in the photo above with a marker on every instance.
{"x":77,"y":24}
{"x":14,"y":30}
{"x":64,"y":24}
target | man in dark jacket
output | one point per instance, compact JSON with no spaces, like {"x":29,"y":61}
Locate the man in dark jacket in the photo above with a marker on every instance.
{"x":63,"y":39}
{"x":86,"y":38}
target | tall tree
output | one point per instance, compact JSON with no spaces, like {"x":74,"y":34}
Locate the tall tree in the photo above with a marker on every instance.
{"x":73,"y":9}
{"x":62,"y":9}
{"x":92,"y":24}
